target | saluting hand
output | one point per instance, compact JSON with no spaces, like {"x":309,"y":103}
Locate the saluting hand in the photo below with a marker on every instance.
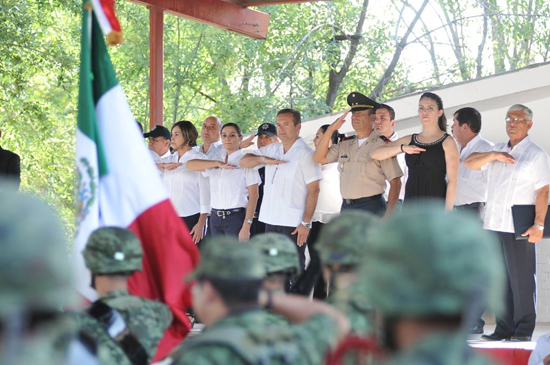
{"x":272,"y":161}
{"x":412,"y":149}
{"x":302,"y":233}
{"x":247,"y":142}
{"x":340,"y":121}
{"x":503,"y":157}
{"x":172,"y":166}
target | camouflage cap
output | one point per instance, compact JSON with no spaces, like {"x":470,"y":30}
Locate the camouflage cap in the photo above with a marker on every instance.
{"x":112,"y":250}
{"x":224,"y":257}
{"x":343,"y":240}
{"x":34,"y":266}
{"x":279,"y":253}
{"x":428,"y":261}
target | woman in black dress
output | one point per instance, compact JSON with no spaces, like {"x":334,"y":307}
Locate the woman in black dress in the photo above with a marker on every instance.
{"x":431,"y":156}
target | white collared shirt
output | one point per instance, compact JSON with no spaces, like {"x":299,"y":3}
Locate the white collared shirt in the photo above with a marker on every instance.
{"x":472,"y":184}
{"x":212,"y":149}
{"x":329,"y":202}
{"x":158,"y":158}
{"x":401,"y":161}
{"x":514,"y":183}
{"x":204,"y":181}
{"x":184,"y":187}
{"x":228,"y":187}
{"x":285,"y":189}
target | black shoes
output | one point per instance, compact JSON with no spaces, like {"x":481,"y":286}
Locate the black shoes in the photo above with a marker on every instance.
{"x":494,"y":337}
{"x":475,"y":330}
{"x":520,"y":338}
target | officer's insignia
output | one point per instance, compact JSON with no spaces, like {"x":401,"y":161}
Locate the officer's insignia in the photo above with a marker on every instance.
{"x":86,"y":188}
{"x":264,"y":126}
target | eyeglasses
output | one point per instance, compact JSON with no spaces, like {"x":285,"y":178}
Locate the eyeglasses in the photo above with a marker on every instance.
{"x":430,"y":109}
{"x":515,"y":120}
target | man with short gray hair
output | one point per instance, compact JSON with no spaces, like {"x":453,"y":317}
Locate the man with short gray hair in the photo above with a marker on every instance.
{"x":518,"y":174}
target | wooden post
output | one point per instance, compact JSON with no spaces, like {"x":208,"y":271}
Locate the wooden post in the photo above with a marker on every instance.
{"x":156,"y":63}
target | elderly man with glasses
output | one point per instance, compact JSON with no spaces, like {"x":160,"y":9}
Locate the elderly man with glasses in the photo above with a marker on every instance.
{"x":518,"y":174}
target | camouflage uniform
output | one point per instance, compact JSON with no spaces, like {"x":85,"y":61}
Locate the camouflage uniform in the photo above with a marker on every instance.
{"x":112,"y":251}
{"x":241,"y":337}
{"x":424,"y":262}
{"x":279,"y":256}
{"x":341,"y":245}
{"x":35,"y":276}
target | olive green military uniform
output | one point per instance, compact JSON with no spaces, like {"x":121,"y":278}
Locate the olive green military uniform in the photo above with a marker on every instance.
{"x":424,"y":262}
{"x":244,"y":337}
{"x":141,"y":321}
{"x":342,"y":244}
{"x":35,"y":277}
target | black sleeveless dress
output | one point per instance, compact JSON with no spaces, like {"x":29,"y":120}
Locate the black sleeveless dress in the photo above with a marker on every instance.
{"x":427,"y":171}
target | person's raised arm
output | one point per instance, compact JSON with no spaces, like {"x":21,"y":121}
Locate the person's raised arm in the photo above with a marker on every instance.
{"x":321,"y":151}
{"x":249,"y":161}
{"x":298,"y":309}
{"x":202,"y":165}
{"x":479,"y":159}
{"x":451,"y":161}
{"x":394,"y":148}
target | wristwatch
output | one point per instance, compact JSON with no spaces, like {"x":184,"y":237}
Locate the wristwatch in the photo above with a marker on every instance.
{"x":539,"y":226}
{"x":307,"y":225}
{"x":249,"y":221}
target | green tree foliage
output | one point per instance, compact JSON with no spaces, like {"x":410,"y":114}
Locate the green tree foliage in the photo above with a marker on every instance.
{"x":209,"y":71}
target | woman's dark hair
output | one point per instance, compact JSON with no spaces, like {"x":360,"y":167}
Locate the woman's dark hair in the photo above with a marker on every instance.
{"x":188,"y":131}
{"x":237,"y":128}
{"x":335,"y":136}
{"x":442,"y":121}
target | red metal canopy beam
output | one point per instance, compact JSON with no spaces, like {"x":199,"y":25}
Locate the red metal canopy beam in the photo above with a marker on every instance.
{"x":220,"y":14}
{"x":267,"y":2}
{"x":156,"y":65}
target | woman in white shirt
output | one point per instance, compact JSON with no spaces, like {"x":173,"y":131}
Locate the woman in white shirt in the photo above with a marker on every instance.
{"x":233,"y":190}
{"x":183,"y":185}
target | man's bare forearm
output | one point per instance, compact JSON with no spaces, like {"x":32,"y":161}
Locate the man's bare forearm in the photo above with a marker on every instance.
{"x":478,"y":159}
{"x":541,"y":205}
{"x":250,"y":161}
{"x":393,"y":195}
{"x":311,"y":201}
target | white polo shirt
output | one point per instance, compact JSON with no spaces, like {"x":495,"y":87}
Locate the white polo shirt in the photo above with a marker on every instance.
{"x":285,"y":188}
{"x":183,"y":186}
{"x":401,"y":161}
{"x":228,"y":188}
{"x":157,"y":158}
{"x":514,"y":183}
{"x":472,"y":184}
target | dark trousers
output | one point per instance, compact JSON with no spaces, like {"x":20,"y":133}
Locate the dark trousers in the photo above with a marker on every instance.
{"x":227,"y":225}
{"x":190,"y":222}
{"x":475,"y":316}
{"x":287,"y":231}
{"x":312,"y":279}
{"x":520,"y":300}
{"x":373,"y":204}
{"x":257,"y":226}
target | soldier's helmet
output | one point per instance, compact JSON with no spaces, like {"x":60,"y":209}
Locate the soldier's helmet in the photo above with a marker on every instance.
{"x":279,"y":253}
{"x":35,"y":272}
{"x":426,"y":261}
{"x":112,"y":250}
{"x":226,"y":258}
{"x":343,"y":240}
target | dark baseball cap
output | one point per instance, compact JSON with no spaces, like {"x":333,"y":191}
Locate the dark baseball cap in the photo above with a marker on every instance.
{"x":158,"y":131}
{"x":268,"y":129}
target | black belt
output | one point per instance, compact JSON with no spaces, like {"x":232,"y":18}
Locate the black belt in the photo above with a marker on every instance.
{"x":471,"y":205}
{"x":362,"y":200}
{"x":223,"y":213}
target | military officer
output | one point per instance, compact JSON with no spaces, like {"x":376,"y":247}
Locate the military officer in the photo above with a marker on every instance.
{"x":228,"y":300}
{"x":341,"y":245}
{"x":362,"y":179}
{"x":129,"y":326}
{"x":425,"y":274}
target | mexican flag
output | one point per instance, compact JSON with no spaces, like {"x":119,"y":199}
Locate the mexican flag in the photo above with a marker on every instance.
{"x":117,"y":184}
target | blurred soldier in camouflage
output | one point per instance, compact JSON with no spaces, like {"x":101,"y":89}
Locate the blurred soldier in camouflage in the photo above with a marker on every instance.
{"x":35,"y":283}
{"x":228,"y":300}
{"x":281,"y":262}
{"x":341,"y":246}
{"x":426,"y":274}
{"x":129,"y":326}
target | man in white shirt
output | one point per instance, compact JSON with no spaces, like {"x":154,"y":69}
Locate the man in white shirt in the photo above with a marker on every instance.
{"x":471,"y":194}
{"x":210,"y":133}
{"x":518,"y":173}
{"x":159,"y":142}
{"x":291,"y":181}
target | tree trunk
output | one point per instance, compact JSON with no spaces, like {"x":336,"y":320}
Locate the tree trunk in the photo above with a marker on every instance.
{"x":479,"y":65}
{"x":335,"y":78}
